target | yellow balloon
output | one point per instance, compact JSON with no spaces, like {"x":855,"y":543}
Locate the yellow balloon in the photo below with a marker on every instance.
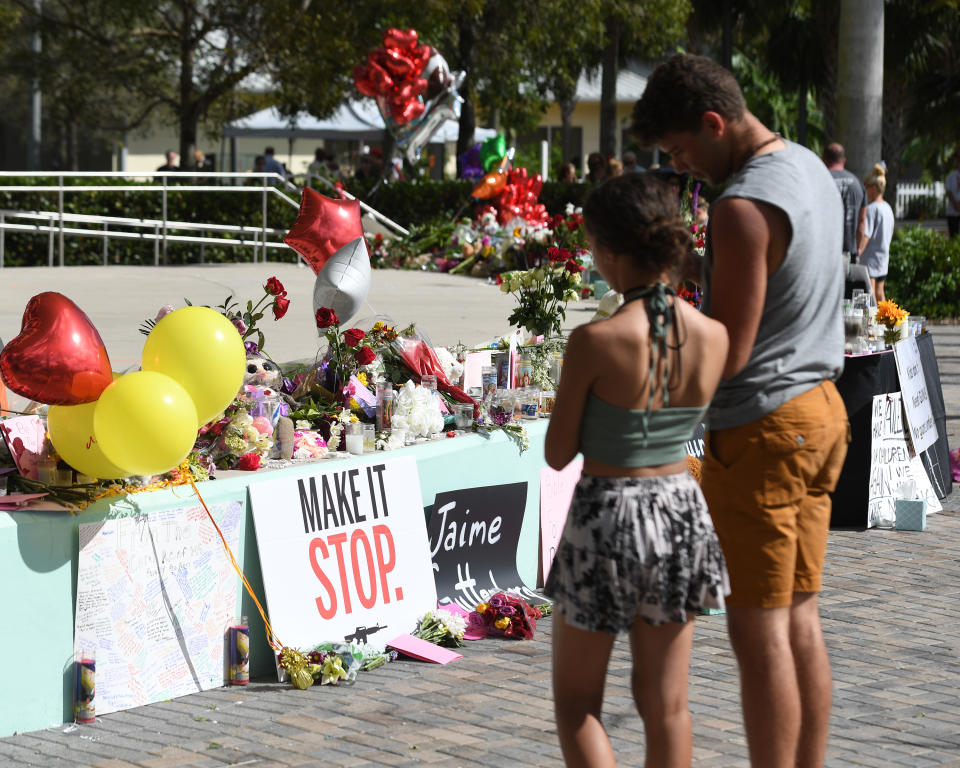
{"x":200,"y":349}
{"x":145,"y":422}
{"x":71,"y":432}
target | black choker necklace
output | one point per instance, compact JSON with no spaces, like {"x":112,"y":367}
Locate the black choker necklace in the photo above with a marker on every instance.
{"x":757,"y":147}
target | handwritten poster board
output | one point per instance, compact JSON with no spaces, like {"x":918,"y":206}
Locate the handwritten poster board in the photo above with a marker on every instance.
{"x":155,"y":593}
{"x":556,"y":492}
{"x":474,"y":533}
{"x":344,"y":553}
{"x":916,"y":399}
{"x":892,"y":463}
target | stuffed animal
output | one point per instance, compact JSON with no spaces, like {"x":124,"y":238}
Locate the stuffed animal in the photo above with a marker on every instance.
{"x":262,"y":380}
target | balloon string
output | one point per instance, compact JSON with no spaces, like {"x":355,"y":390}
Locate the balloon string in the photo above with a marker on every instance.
{"x":272,"y":640}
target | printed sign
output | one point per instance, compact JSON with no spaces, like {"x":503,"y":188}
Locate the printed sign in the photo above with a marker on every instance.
{"x":474,"y":533}
{"x":892,"y":463}
{"x":695,"y":443}
{"x":556,"y":492}
{"x":344,"y":553}
{"x":916,"y":400}
{"x":155,"y":593}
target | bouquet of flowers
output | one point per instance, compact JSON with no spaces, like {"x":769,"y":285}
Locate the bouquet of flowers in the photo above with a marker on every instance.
{"x":328,"y":663}
{"x":442,"y":628}
{"x":542,"y":293}
{"x":891,"y":317}
{"x":345,"y":354}
{"x":506,"y":615}
{"x":416,"y":410}
{"x":236,"y":440}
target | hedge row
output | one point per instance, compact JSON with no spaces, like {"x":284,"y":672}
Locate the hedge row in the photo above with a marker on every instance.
{"x":924,"y":272}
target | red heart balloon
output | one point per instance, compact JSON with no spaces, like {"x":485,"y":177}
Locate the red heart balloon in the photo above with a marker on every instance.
{"x":58,"y":358}
{"x":323,"y":227}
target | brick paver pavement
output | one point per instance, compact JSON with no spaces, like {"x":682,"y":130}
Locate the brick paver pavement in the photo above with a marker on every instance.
{"x":891,"y":615}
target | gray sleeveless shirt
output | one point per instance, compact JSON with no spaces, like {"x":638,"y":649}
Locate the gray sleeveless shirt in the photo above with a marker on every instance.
{"x":800,"y":339}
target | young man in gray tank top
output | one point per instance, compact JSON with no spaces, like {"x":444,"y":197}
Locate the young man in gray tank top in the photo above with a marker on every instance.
{"x":777,"y":427}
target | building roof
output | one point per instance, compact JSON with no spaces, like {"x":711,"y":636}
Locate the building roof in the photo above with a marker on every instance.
{"x":630,"y":86}
{"x":358,"y":120}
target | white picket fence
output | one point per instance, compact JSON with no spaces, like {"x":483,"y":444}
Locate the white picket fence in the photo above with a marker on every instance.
{"x":907,"y":191}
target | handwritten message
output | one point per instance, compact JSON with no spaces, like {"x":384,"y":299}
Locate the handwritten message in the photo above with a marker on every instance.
{"x":916,"y":399}
{"x":892,"y":463}
{"x":155,"y":593}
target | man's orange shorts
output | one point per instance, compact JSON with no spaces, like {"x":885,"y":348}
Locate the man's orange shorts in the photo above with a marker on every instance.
{"x":768,"y":484}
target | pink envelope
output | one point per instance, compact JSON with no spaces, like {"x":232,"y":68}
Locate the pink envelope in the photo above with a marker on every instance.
{"x":14,"y":501}
{"x":423,"y":650}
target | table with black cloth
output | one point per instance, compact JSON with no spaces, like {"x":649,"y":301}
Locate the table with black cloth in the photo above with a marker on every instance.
{"x":863,"y":377}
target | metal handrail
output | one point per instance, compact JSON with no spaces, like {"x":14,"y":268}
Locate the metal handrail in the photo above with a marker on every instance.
{"x":264,"y":187}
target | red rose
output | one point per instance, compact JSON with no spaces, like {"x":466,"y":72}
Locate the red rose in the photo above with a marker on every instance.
{"x":573,"y":268}
{"x":365,"y":355}
{"x":280,"y":307}
{"x":499,"y":279}
{"x":249,"y":462}
{"x":274,"y":287}
{"x":555,"y":254}
{"x":353,"y":337}
{"x":326,"y":317}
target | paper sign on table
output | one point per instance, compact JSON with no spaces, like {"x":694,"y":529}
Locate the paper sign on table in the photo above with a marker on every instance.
{"x":24,"y":436}
{"x":473,"y":368}
{"x":556,"y":492}
{"x":916,"y":399}
{"x":423,"y":650}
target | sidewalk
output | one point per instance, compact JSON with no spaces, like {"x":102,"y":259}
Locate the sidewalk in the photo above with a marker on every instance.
{"x":891,"y":615}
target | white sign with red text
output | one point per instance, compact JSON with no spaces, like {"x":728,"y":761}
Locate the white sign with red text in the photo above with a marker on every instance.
{"x":344,"y":553}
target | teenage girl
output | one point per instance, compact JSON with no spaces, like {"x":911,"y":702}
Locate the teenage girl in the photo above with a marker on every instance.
{"x":638,"y":553}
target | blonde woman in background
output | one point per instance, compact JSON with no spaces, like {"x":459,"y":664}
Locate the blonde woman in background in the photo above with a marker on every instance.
{"x":878,"y":231}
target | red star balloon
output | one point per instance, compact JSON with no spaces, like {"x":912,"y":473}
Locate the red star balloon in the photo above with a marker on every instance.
{"x":323,"y":227}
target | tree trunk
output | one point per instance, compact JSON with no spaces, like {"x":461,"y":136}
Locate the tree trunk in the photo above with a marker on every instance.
{"x":802,"y":109}
{"x":608,"y":89}
{"x":726,"y":42}
{"x":189,"y":111}
{"x":73,"y":146}
{"x":466,"y":53}
{"x":895,"y":104}
{"x":827,"y":15}
{"x":860,"y":83}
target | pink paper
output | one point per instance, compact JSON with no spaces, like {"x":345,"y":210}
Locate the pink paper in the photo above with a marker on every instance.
{"x":24,"y":436}
{"x":423,"y":650}
{"x":17,"y":500}
{"x":556,"y":492}
{"x":472,"y":368}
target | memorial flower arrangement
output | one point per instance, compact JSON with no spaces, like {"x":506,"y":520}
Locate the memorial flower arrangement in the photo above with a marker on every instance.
{"x":416,"y":411}
{"x":506,"y":615}
{"x":329,"y":663}
{"x":235,"y":439}
{"x":542,"y":293}
{"x":891,"y":317}
{"x":441,"y":628}
{"x":346,"y":351}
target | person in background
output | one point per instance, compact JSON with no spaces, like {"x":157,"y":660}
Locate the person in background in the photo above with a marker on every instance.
{"x":272,"y":165}
{"x":852,"y":194}
{"x":614,"y":167}
{"x":878,"y":231}
{"x":597,"y":169}
{"x":777,"y":427}
{"x":638,"y":553}
{"x":630,"y":164}
{"x":171,"y":164}
{"x":568,"y":173}
{"x":703,"y":213}
{"x":953,"y":197}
